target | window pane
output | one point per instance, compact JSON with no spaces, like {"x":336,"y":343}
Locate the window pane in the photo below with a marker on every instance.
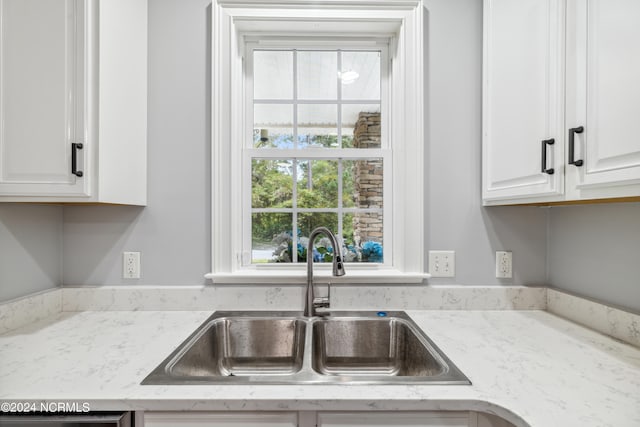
{"x":361,"y":126}
{"x":348,"y":184}
{"x":307,"y":111}
{"x":273,"y":126}
{"x":271,"y":183}
{"x":317,"y":75}
{"x":318,"y":126}
{"x":317,"y":183}
{"x":362,"y":182}
{"x":271,"y":237}
{"x":363,"y":237}
{"x":360,"y":75}
{"x":272,"y":74}
{"x":307,"y":222}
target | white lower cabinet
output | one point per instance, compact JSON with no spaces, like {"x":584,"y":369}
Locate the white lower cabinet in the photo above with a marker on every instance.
{"x":396,"y":419}
{"x":220,"y":419}
{"x":320,"y":419}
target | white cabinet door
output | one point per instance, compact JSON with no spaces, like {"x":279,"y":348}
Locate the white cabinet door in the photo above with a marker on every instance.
{"x":603,"y":53}
{"x":73,"y":72}
{"x":220,"y":419}
{"x":488,"y":420}
{"x":523,"y":98}
{"x":41,"y":97}
{"x":396,"y":419}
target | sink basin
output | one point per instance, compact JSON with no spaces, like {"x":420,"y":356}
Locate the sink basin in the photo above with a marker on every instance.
{"x":365,"y":346}
{"x":287,"y":348}
{"x":237,"y":346}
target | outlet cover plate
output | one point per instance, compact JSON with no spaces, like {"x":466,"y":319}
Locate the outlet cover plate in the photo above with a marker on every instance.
{"x":504,"y":264}
{"x":442,"y":263}
{"x":131,"y":265}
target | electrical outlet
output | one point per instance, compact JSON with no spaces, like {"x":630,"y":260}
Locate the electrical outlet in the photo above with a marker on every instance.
{"x":442,"y":263}
{"x":504,"y":264}
{"x":131,"y":265}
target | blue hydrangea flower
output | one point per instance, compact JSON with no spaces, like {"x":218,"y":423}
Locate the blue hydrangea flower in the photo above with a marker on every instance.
{"x":372,"y":251}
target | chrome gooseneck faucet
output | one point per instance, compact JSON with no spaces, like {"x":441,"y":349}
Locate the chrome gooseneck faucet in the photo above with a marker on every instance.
{"x":338,"y":267}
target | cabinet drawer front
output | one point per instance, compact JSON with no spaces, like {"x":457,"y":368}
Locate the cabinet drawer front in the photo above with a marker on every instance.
{"x":395,"y":419}
{"x":220,"y":419}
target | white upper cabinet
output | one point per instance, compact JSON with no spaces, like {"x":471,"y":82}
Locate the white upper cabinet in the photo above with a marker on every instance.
{"x":523,"y":99}
{"x":565,"y":72}
{"x":603,"y":96}
{"x":42,"y":84}
{"x":73,"y":101}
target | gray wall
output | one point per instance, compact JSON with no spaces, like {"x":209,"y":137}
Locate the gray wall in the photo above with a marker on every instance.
{"x":30,"y":249}
{"x":594,"y":251}
{"x":456,"y":219}
{"x":173,"y":231}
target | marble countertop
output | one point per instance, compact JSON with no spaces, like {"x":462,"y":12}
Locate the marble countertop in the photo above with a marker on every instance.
{"x":529,"y":367}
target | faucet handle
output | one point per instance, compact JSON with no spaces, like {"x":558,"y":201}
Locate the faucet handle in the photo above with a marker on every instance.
{"x":323,"y":302}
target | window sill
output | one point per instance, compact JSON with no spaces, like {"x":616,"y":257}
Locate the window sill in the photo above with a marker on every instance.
{"x":297,"y":277}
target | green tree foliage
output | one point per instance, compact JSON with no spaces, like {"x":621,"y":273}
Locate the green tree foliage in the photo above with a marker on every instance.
{"x":271,"y":184}
{"x":272,"y":187}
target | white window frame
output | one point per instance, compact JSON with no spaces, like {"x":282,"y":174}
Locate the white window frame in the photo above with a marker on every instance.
{"x":237,"y":22}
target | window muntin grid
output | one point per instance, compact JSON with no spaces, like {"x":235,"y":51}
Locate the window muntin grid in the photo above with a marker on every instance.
{"x":294,"y":145}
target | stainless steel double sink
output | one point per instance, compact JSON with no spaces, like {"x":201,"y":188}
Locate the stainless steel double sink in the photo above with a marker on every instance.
{"x":286,"y":348}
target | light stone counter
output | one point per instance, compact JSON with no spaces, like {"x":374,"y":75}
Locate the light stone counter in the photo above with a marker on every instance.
{"x":529,"y":367}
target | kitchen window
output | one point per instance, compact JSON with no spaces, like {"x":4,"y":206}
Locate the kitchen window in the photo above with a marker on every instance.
{"x":317,"y":121}
{"x":317,"y":153}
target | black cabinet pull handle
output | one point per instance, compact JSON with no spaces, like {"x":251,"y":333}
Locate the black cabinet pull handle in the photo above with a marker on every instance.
{"x":572,"y":143}
{"x":546,"y":142}
{"x":74,"y":159}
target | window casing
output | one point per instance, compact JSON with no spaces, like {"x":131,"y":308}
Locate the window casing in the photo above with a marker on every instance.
{"x":392,"y":27}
